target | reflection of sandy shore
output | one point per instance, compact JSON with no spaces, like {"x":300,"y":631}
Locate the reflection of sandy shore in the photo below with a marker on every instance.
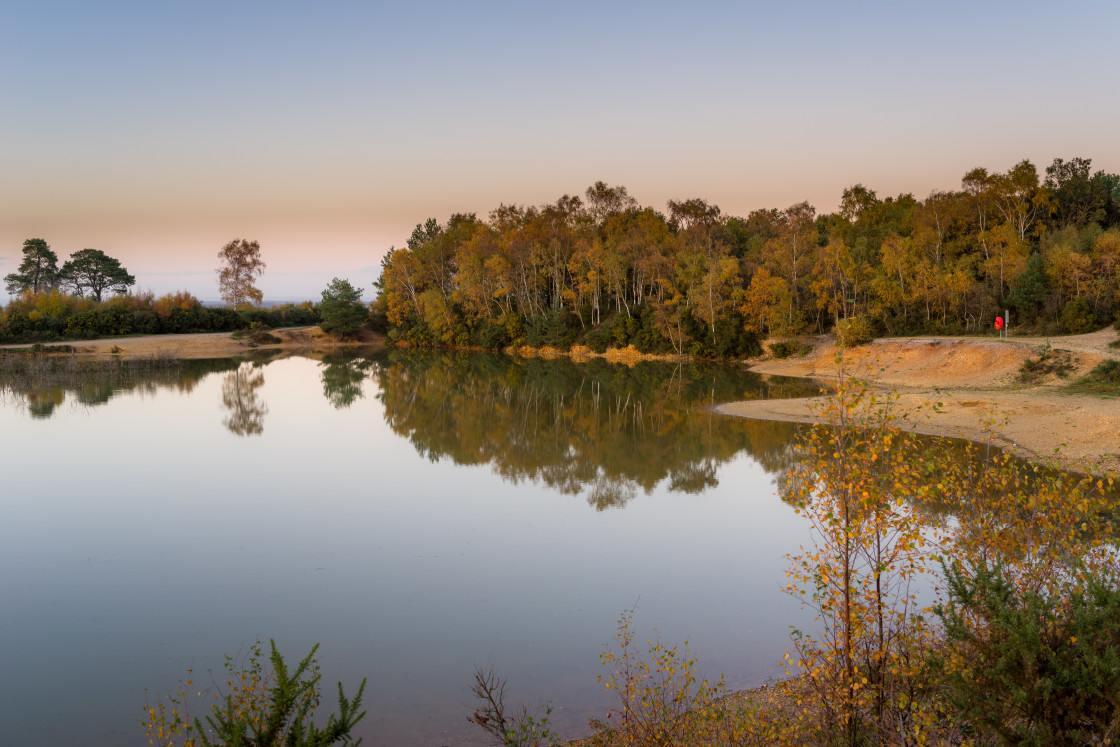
{"x":974,"y":380}
{"x":218,"y":344}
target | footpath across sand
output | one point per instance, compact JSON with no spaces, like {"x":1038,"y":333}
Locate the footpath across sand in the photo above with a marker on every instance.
{"x":976,"y":382}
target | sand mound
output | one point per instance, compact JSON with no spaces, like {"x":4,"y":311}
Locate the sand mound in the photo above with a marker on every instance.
{"x":981,"y":394}
{"x":929,"y":362}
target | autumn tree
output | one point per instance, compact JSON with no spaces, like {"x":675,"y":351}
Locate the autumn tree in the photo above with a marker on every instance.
{"x":765,"y":303}
{"x":978,"y":186}
{"x":858,"y":573}
{"x":604,"y":201}
{"x":94,"y":271}
{"x":399,"y":285}
{"x":1019,"y":198}
{"x":37,"y":272}
{"x":942,"y":264}
{"x":1106,"y":270}
{"x":240,"y":265}
{"x":835,"y":277}
{"x":792,"y":253}
{"x":705,"y":263}
{"x":855,"y":201}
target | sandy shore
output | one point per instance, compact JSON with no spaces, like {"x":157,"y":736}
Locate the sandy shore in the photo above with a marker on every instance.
{"x":216,"y":344}
{"x":976,"y":382}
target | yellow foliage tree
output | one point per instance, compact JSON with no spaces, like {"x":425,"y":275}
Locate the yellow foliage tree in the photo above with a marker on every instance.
{"x":240,"y":265}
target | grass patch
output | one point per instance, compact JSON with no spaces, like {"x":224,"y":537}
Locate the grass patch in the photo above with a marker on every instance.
{"x":1103,"y":379}
{"x":40,"y":349}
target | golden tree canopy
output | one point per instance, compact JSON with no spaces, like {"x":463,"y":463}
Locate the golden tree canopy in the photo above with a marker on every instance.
{"x":240,"y":265}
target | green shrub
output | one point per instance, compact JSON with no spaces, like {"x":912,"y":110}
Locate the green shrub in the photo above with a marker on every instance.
{"x":263,"y":337}
{"x":557,"y":328}
{"x":855,"y":330}
{"x":83,"y":324}
{"x":1106,"y":372}
{"x":260,"y":709}
{"x":599,"y":338}
{"x":1103,"y":379}
{"x":1049,"y":361}
{"x":1078,"y":317}
{"x":1035,"y":670}
{"x":342,"y":308}
{"x":224,"y":320}
{"x":732,"y":339}
{"x":145,"y":322}
{"x":494,"y":337}
{"x":786,"y":348}
{"x":378,"y":320}
{"x":181,"y":320}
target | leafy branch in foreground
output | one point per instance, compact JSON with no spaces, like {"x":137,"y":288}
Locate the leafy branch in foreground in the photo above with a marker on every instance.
{"x":661,"y":699}
{"x":523,"y":729}
{"x":258,"y":709}
{"x":863,"y":668}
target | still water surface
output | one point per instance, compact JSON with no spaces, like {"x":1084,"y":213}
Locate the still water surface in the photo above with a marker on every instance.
{"x":417,"y":513}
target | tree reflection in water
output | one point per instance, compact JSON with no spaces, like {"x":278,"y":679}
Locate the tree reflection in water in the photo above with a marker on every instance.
{"x":342,"y":378}
{"x":42,"y":383}
{"x":239,"y":396}
{"x":602,"y":429}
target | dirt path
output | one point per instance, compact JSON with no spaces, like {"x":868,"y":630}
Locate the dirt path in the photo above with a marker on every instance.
{"x":976,"y":382}
{"x":211,"y":344}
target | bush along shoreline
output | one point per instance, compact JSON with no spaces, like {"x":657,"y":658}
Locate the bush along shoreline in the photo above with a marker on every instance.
{"x":52,"y":315}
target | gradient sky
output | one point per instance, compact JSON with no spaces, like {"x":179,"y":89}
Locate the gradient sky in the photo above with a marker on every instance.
{"x":159,"y":131}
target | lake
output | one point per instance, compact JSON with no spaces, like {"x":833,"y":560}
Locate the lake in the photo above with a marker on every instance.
{"x":418,"y":514}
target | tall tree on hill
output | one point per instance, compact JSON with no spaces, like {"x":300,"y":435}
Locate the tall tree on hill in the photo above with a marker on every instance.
{"x":1077,"y":197}
{"x":792,"y":253}
{"x":711,"y":271}
{"x":95,"y":271}
{"x":1019,"y":197}
{"x":604,"y":201}
{"x":37,"y":272}
{"x":978,"y":184}
{"x":240,"y":265}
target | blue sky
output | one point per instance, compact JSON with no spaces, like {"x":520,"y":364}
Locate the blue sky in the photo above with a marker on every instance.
{"x":156,"y":132}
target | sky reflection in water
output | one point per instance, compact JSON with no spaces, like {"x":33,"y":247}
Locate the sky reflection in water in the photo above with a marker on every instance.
{"x":415,"y":512}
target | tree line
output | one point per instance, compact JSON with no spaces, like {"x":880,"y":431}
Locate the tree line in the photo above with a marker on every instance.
{"x":66,"y":302}
{"x":603,"y":271}
{"x":53,"y":315}
{"x":87,"y":271}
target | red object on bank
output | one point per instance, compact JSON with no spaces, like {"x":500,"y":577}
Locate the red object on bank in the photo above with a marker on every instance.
{"x":999,"y":322}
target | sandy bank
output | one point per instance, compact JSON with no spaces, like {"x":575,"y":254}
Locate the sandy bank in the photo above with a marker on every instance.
{"x":628,"y":355}
{"x":216,"y":344}
{"x":976,"y":382}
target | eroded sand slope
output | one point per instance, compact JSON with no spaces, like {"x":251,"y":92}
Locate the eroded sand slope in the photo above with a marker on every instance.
{"x":977,"y":383}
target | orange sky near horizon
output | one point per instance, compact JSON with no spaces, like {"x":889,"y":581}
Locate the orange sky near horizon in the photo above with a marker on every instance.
{"x":327,"y":133}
